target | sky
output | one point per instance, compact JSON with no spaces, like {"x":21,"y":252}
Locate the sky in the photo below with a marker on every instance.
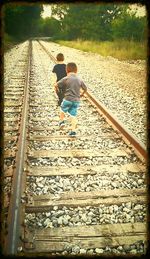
{"x":141,"y":11}
{"x":47,"y":10}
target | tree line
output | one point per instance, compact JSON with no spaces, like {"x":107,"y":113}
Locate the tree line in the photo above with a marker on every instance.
{"x":98,"y":22}
{"x":21,"y":21}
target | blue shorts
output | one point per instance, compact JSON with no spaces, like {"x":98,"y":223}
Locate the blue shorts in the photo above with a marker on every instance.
{"x":70,"y":107}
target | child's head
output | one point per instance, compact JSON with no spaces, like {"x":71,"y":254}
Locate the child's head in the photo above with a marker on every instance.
{"x":60,"y":57}
{"x":71,"y":67}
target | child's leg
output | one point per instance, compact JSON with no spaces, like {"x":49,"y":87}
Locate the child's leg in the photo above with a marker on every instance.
{"x":64,"y":108}
{"x":73,"y":123}
{"x":73,"y":113}
{"x":62,"y":116}
{"x":62,"y":123}
{"x":61,"y":96}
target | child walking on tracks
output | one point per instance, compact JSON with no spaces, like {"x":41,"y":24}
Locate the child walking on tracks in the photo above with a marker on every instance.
{"x":72,"y":84}
{"x":60,"y":70}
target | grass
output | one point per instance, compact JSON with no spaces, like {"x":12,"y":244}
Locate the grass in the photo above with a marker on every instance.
{"x":122,"y":50}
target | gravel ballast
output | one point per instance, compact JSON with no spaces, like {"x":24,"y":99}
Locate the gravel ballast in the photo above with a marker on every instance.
{"x":120,"y":86}
{"x":110,"y":81}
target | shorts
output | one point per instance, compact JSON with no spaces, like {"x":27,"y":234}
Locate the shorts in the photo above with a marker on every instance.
{"x":70,"y":107}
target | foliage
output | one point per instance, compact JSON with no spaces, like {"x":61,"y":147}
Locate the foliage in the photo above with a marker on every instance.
{"x":20,"y":21}
{"x":87,"y":21}
{"x":60,"y":10}
{"x":129,"y":27}
{"x":99,"y":22}
{"x":9,"y":42}
{"x":49,"y":27}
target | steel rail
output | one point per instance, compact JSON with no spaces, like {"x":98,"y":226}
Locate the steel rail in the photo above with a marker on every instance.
{"x":139,"y":147}
{"x":49,"y":54}
{"x":14,"y":212}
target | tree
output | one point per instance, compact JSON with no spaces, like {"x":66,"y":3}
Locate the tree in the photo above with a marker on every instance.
{"x":60,"y":10}
{"x":49,"y":27}
{"x":21,"y":21}
{"x":129,"y":27}
{"x":86,"y":21}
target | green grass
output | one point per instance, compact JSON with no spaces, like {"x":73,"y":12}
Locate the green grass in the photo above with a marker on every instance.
{"x":122,"y":50}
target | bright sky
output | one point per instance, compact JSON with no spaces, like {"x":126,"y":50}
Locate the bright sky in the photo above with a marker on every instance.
{"x":141,"y":11}
{"x":47,"y":10}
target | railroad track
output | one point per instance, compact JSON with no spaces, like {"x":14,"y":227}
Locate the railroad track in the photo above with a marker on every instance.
{"x":86,"y":195}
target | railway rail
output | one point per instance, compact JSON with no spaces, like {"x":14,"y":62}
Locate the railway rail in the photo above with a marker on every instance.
{"x":83,"y":195}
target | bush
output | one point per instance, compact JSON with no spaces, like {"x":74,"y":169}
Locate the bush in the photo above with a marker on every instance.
{"x":8,"y":42}
{"x":129,"y":28}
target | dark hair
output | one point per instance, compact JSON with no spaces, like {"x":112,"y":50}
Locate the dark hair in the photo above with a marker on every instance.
{"x":71,"y":67}
{"x":60,"y":57}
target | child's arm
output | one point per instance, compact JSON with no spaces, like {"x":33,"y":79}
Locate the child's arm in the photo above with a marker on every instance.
{"x":83,"y":92}
{"x":84,"y":89}
{"x":53,"y":77}
{"x":60,"y":85}
{"x":56,"y":87}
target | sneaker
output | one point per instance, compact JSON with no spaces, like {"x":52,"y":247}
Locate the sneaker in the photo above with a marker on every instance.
{"x":61,"y":124}
{"x":72,"y":134}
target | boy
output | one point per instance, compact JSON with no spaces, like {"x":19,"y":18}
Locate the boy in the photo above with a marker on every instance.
{"x":60,"y":70}
{"x":72,"y":83}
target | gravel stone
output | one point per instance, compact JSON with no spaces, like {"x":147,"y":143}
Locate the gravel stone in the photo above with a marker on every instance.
{"x":82,"y":251}
{"x":76,"y":249}
{"x":125,"y":102}
{"x":99,"y":250}
{"x":90,"y":251}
